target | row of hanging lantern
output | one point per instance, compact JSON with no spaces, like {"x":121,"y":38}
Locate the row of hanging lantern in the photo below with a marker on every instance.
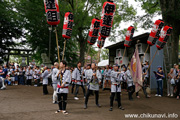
{"x":102,"y":27}
{"x":53,"y":18}
{"x":159,"y":35}
{"x":156,"y":33}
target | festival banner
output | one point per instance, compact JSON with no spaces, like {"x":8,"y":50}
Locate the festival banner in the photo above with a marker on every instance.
{"x":136,"y":70}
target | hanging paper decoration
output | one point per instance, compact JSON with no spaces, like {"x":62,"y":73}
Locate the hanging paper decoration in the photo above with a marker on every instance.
{"x":101,"y":41}
{"x":154,"y":35}
{"x":94,"y":29}
{"x":107,"y":17}
{"x":164,"y":36}
{"x":52,"y":12}
{"x":129,"y":36}
{"x":68,"y":24}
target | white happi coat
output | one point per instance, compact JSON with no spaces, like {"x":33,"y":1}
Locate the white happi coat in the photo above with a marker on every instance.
{"x":128,"y":78}
{"x":116,"y":81}
{"x":45,"y":76}
{"x":54,"y":75}
{"x":77,"y":75}
{"x":29,"y":74}
{"x":93,"y":83}
{"x":66,"y":78}
{"x":145,"y":70}
{"x":72,"y":79}
{"x":34,"y":74}
{"x":107,"y":73}
{"x":88,"y":75}
{"x":121,"y":76}
{"x":38,"y":73}
{"x":17,"y":71}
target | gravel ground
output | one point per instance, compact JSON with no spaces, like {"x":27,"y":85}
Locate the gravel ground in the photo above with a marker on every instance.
{"x":28,"y":103}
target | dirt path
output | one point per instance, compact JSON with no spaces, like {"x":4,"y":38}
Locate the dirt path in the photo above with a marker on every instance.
{"x":28,"y":103}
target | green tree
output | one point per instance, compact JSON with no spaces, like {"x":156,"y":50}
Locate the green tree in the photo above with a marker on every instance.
{"x":105,"y":54}
{"x":33,"y":20}
{"x":9,"y":25}
{"x":16,"y":59}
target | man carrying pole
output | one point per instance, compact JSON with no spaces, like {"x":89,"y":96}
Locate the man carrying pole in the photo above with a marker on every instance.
{"x":64,"y":80}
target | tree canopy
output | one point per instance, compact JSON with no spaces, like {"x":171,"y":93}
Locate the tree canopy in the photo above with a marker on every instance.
{"x":9,"y":24}
{"x":36,"y":31}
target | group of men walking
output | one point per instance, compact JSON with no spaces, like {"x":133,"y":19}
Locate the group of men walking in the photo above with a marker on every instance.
{"x":90,"y":77}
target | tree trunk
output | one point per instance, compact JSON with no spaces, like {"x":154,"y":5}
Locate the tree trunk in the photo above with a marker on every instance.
{"x":175,"y":46}
{"x":82,"y":51}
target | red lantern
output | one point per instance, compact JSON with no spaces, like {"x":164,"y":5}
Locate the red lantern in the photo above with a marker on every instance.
{"x":129,"y":36}
{"x":68,"y":24}
{"x":105,"y":31}
{"x":165,"y":33}
{"x":94,"y":29}
{"x":101,"y":41}
{"x":52,"y":12}
{"x":154,"y":35}
{"x":107,"y":18}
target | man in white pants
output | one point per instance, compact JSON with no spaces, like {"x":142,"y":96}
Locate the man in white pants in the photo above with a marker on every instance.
{"x":54,"y":81}
{"x":64,"y":79}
